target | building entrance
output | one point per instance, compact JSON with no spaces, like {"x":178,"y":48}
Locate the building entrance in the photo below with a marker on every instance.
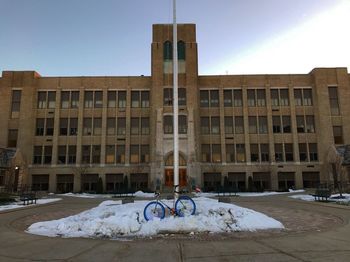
{"x":169,"y":177}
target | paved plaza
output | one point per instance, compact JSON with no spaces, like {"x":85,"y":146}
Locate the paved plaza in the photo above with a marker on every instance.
{"x":313,"y":232}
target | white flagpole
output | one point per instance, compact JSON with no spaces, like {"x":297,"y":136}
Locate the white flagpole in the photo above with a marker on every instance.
{"x":175,"y":107}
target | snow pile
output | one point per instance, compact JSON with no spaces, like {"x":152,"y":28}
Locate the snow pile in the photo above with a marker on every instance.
{"x":112,"y":220}
{"x":333,"y":198}
{"x":144,"y":195}
{"x":20,"y":204}
{"x":88,"y":195}
{"x":250,"y":194}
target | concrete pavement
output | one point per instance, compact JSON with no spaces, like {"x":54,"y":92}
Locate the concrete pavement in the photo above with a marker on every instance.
{"x":314,"y":232}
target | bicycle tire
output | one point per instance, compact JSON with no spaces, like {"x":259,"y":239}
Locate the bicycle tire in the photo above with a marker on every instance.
{"x":154,"y":209}
{"x":185,"y":206}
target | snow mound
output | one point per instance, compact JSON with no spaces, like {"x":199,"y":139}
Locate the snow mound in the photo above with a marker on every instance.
{"x":113,"y":220}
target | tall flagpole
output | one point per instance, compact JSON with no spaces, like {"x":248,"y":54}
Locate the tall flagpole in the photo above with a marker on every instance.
{"x":175,"y":107}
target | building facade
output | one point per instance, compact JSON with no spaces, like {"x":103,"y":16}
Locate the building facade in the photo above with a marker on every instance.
{"x":254,"y":132}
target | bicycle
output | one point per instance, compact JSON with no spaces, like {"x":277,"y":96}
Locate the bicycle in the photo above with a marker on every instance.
{"x":184,"y":206}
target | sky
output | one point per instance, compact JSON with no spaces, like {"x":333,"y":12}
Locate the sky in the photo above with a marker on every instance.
{"x":113,"y":37}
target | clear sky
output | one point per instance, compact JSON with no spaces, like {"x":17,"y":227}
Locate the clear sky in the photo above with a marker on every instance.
{"x":113,"y":37}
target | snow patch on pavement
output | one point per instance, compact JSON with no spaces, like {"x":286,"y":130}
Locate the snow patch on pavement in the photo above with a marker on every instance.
{"x":250,"y":194}
{"x":20,"y":204}
{"x":333,"y":198}
{"x":112,"y":220}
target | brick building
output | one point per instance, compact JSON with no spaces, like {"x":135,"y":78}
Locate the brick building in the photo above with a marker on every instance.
{"x":251,"y":131}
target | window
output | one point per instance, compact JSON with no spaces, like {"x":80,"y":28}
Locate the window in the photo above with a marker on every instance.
{"x":181,"y":50}
{"x":134,"y":126}
{"x":286,"y":124}
{"x":215,"y":125}
{"x":333,"y":100}
{"x":49,"y":126}
{"x":276,"y":124}
{"x":112,"y":99}
{"x":97,"y":126}
{"x":204,"y":98}
{"x":85,"y":154}
{"x":240,"y":153}
{"x":310,"y":124}
{"x":110,"y":154}
{"x":144,"y":99}
{"x":74,"y":103}
{"x":284,"y":97}
{"x":216,"y":153}
{"x":16,"y":100}
{"x":40,"y":126}
{"x":98,"y":99}
{"x":65,"y":99}
{"x":2,"y":177}
{"x":47,"y":154}
{"x":307,"y":95}
{"x":63,"y":126}
{"x":279,"y":153}
{"x":122,"y":99}
{"x":288,"y":148}
{"x":87,"y":126}
{"x":205,"y":153}
{"x":300,"y":124}
{"x":237,"y":98}
{"x":144,"y":154}
{"x":264,"y":153}
{"x":313,"y":155}
{"x":135,"y":98}
{"x":205,"y":125}
{"x":167,"y":50}
{"x":302,"y":152}
{"x":121,"y":126}
{"x":252,"y":125}
{"x":73,"y":126}
{"x":72,"y":154}
{"x":182,"y":96}
{"x":110,"y":126}
{"x":298,"y":99}
{"x":168,"y":96}
{"x":88,"y":99}
{"x":144,"y":125}
{"x":228,"y":120}
{"x":61,"y":155}
{"x":51,"y":95}
{"x":338,"y":135}
{"x":96,"y":154}
{"x":120,"y":154}
{"x":42,"y":99}
{"x":230,"y":153}
{"x":239,"y":125}
{"x":227,"y":98}
{"x":251,"y":97}
{"x":168,"y":124}
{"x":274,"y":97}
{"x":261,"y":97}
{"x":37,"y":155}
{"x":134,"y":154}
{"x":12,"y":138}
{"x":262,"y":124}
{"x":182,"y":124}
{"x":214,"y":98}
{"x":254,"y":152}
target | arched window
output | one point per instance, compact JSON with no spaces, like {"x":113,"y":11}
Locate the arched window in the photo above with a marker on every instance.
{"x":168,"y":50}
{"x":170,"y":160}
{"x":181,"y":50}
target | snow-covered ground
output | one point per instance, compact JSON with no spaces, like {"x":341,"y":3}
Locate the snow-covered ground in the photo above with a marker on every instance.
{"x":333,"y":198}
{"x":250,"y":194}
{"x":112,"y":220}
{"x":20,"y":204}
{"x":87,"y":195}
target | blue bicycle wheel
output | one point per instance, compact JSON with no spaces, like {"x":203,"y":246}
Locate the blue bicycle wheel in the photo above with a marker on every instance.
{"x":185,"y":206}
{"x":154,"y":209}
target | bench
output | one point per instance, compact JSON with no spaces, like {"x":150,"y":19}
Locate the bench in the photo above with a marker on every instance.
{"x":28,"y":198}
{"x":123,"y":193}
{"x":322,"y":194}
{"x":227,"y":191}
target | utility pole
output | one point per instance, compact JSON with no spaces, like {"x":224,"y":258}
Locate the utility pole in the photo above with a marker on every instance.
{"x":175,"y":107}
